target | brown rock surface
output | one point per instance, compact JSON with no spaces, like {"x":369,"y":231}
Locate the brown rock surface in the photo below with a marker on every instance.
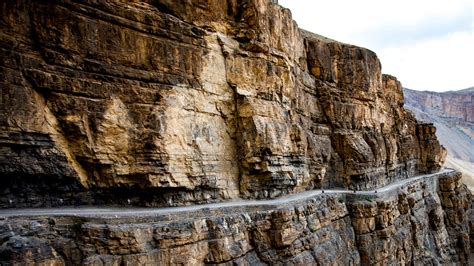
{"x":416,"y":224}
{"x":171,"y":103}
{"x":156,"y":103}
{"x":411,"y":225}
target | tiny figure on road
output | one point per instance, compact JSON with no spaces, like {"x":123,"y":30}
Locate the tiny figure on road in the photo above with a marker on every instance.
{"x":322,"y":191}
{"x":128,"y":200}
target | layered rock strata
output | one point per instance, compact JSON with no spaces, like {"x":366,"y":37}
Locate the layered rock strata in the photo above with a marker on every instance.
{"x":422,"y":222}
{"x":180,"y":102}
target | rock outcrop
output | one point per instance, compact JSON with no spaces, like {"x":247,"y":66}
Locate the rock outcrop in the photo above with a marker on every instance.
{"x":170,"y":103}
{"x":417,"y":224}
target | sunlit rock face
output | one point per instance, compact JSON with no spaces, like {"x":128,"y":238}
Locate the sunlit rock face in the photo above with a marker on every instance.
{"x":181,"y":102}
{"x":165,"y":103}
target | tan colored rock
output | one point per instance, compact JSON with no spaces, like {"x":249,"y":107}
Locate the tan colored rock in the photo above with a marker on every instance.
{"x":160,"y":103}
{"x":171,"y":104}
{"x":364,"y":226}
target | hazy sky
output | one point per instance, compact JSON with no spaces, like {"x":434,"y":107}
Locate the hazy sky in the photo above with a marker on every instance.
{"x":426,"y":44}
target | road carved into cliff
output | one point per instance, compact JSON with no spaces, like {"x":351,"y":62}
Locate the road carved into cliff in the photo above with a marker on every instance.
{"x":137,"y":211}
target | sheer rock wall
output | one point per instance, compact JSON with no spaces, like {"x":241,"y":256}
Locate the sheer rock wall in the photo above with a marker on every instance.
{"x":182,"y":102}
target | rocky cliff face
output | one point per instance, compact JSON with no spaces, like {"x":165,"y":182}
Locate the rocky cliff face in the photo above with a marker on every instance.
{"x":452,"y":113}
{"x":162,"y":103}
{"x":419,"y":223}
{"x":170,"y":103}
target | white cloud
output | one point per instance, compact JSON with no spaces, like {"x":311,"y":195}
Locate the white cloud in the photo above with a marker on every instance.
{"x":427,"y":44}
{"x":439,"y":64}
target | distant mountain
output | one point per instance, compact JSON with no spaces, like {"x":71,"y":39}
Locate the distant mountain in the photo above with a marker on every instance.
{"x":452,"y":113}
{"x":454,"y":106}
{"x":468,"y":90}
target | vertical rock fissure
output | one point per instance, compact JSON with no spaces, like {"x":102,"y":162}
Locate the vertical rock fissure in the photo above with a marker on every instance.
{"x":238,"y":135}
{"x":237,"y":124}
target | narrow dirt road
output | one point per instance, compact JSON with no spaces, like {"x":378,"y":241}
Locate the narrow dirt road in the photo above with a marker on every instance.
{"x":115,"y":212}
